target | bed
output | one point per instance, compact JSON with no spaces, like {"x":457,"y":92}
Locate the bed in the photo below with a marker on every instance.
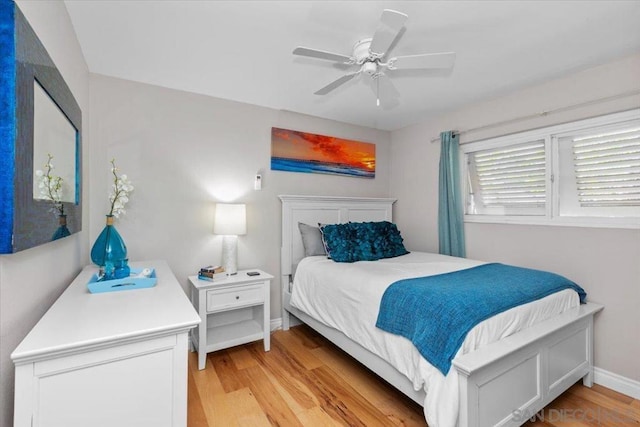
{"x":502,"y":383}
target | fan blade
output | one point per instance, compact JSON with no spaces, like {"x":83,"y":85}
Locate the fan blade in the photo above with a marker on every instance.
{"x":334,"y":84}
{"x":387,"y":88}
{"x":390,"y":25}
{"x":321,"y":54}
{"x":427,"y":60}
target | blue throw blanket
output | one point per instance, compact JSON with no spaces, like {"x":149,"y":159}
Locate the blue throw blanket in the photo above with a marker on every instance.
{"x":437,"y":312}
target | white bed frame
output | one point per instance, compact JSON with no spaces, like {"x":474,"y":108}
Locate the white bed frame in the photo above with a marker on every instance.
{"x":502,"y":384}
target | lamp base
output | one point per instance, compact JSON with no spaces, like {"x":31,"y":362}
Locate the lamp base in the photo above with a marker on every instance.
{"x":230,"y":254}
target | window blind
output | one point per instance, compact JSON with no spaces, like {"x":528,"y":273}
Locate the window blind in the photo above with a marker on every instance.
{"x":511,"y":177}
{"x":607,"y":168}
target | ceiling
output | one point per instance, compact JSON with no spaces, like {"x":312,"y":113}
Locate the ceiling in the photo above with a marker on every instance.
{"x":241,"y":50}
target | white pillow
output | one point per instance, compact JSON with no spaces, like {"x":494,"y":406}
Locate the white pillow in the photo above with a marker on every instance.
{"x":311,"y":240}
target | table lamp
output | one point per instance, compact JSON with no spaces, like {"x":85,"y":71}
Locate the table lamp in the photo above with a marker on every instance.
{"x":230,"y":221}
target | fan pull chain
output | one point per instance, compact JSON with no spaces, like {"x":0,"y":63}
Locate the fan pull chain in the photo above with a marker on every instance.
{"x":378,"y":91}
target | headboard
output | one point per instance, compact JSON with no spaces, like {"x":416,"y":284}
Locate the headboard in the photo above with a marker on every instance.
{"x":327,"y":210}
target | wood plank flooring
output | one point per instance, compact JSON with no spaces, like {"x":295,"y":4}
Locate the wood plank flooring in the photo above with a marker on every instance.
{"x":307,"y":381}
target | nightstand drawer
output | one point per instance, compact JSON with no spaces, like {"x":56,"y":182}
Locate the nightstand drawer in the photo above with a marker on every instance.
{"x":234,"y":297}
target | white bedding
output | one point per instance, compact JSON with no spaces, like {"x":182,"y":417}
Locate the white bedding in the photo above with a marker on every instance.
{"x":347,"y":297}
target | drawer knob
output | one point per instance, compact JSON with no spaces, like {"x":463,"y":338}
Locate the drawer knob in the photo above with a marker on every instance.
{"x":237,"y":297}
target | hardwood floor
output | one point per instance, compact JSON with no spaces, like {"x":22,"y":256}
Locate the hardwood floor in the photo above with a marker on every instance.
{"x":306,"y":381}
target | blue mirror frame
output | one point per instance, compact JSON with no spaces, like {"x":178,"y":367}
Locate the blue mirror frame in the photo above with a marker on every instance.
{"x":24,"y":221}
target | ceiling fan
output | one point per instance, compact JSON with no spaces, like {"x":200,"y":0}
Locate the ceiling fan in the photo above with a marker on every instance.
{"x":370,"y":56}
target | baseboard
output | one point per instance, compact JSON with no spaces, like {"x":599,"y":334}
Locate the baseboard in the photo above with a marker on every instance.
{"x":276,"y":324}
{"x":617,"y":382}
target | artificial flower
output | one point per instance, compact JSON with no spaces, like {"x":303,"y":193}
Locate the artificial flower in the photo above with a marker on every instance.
{"x":120,"y":190}
{"x":50,"y":186}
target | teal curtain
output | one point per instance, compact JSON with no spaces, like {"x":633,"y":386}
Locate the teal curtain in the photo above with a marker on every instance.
{"x":450,"y":207}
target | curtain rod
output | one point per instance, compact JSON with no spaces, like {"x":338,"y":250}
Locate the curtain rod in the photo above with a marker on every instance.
{"x":543,"y":113}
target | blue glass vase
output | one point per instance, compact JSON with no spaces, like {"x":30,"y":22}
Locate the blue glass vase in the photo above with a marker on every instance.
{"x":109,"y":250}
{"x":62,"y":230}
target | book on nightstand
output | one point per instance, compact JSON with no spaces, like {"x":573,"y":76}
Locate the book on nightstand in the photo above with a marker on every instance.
{"x":212,"y":273}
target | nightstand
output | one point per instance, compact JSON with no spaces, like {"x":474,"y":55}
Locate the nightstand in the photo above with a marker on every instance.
{"x":234,"y":310}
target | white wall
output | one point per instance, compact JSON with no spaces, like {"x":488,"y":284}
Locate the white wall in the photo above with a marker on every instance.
{"x":606,"y":262}
{"x":183,"y":152}
{"x":30,"y":281}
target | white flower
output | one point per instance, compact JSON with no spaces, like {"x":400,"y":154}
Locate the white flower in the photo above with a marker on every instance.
{"x":50,"y":187}
{"x":120,"y":190}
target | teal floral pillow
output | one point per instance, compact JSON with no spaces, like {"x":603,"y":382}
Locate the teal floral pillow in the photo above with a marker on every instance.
{"x":362,"y":241}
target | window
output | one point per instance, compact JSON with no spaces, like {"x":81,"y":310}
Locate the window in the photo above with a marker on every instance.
{"x":580,"y":173}
{"x":508,"y":180}
{"x":602,"y":171}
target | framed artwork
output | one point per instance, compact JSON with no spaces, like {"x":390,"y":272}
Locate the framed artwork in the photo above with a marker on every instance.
{"x":295,"y":151}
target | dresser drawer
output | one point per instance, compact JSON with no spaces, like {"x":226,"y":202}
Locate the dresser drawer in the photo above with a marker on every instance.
{"x":220,"y":299}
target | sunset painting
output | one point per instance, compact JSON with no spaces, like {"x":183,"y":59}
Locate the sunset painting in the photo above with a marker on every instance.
{"x":295,"y":151}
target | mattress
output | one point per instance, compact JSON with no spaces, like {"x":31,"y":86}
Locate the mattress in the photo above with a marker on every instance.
{"x":347,"y":297}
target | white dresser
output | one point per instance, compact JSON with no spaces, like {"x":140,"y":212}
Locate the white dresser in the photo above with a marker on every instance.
{"x":109,"y":359}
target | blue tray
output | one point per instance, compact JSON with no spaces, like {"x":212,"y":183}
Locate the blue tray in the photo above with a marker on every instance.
{"x":125,"y":284}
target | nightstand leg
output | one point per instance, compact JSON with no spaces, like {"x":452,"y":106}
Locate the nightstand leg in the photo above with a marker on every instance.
{"x":194,"y":331}
{"x":267,"y":316}
{"x":267,"y":341}
{"x":202,"y":330}
{"x":202,"y":343}
{"x":202,"y":360}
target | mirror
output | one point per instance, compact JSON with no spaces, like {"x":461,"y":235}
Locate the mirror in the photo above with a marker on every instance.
{"x":54,"y":150}
{"x":40,"y":127}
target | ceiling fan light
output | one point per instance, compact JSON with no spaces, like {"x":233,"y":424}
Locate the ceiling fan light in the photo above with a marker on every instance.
{"x":370,"y":68}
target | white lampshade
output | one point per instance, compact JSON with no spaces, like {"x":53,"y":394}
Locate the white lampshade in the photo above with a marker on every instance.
{"x":230,"y":219}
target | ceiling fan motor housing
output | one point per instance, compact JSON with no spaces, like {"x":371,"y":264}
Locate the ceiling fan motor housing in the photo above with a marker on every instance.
{"x":364,"y":56}
{"x":361,"y":51}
